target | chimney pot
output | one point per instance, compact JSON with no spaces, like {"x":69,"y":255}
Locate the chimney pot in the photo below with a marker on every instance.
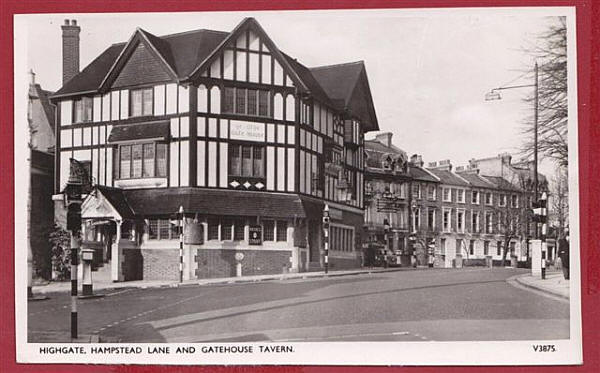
{"x":417,"y":160}
{"x":32,"y":76}
{"x":70,"y":49}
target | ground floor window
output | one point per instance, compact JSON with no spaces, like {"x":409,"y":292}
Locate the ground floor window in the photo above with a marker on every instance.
{"x":472,"y":247}
{"x":341,"y":239}
{"x":162,"y":229}
{"x":499,"y":248}
{"x":443,"y":246}
{"x":226,"y":229}
{"x":275,"y":230}
{"x":486,"y":248}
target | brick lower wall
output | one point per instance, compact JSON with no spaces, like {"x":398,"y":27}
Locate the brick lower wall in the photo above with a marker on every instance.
{"x":344,"y":263}
{"x":222,"y":263}
{"x":132,"y":265}
{"x":160,"y":264}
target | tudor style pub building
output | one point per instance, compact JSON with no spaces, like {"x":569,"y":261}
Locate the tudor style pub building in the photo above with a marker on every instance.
{"x":246,"y":140}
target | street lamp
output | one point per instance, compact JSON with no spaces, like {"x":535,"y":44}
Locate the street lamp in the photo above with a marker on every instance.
{"x":494,"y":94}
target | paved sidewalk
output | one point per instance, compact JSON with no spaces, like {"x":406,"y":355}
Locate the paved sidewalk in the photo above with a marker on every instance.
{"x":554,"y":283}
{"x":106,"y":284}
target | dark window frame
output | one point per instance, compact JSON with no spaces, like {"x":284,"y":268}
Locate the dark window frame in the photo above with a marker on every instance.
{"x":161,"y":224}
{"x":240,"y":148}
{"x":156,"y":166}
{"x":142,"y":108}
{"x":83,"y":101}
{"x":230,"y":104}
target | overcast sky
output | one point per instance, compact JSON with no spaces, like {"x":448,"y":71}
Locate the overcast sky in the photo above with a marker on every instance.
{"x":428,"y":72}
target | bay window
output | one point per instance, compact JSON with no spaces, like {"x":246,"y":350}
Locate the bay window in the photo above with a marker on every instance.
{"x":142,"y":160}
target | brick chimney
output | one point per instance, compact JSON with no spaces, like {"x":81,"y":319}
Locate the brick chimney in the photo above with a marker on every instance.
{"x":417,"y":160}
{"x":70,"y":49}
{"x":385,"y":138}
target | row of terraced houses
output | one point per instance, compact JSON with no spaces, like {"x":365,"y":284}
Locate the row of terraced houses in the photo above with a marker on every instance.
{"x":448,"y":217}
{"x":252,"y":145}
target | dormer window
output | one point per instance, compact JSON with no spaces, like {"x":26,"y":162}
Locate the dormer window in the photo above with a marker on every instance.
{"x":141,"y":102}
{"x":388,"y":163}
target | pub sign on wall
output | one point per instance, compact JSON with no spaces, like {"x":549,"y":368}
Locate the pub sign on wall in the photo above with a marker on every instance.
{"x":255,"y":235}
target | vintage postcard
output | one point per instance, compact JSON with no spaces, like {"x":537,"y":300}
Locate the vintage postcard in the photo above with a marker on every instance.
{"x":360,"y":187}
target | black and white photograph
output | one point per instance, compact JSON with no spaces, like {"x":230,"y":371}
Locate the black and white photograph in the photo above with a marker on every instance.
{"x":373,"y":187}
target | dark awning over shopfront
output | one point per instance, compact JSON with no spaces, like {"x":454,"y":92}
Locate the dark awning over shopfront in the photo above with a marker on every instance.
{"x":156,"y":202}
{"x":139,"y":131}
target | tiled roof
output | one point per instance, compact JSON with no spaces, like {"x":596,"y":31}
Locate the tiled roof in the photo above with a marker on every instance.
{"x":36,"y":91}
{"x":448,"y":177}
{"x":340,"y":82}
{"x":139,"y":131}
{"x":183,"y":52}
{"x":502,"y":183}
{"x":307,"y":77}
{"x":89,"y":79}
{"x":117,"y":199}
{"x":209,"y":201}
{"x":419,"y":173}
{"x":476,"y":180}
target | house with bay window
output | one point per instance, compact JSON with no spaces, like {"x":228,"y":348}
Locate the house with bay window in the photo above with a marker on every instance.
{"x":248,"y":142}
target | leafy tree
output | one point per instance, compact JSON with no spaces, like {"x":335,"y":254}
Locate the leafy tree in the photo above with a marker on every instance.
{"x":61,"y":250}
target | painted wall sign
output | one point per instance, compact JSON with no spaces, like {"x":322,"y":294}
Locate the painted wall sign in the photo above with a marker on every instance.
{"x":247,"y":131}
{"x":255,"y":235}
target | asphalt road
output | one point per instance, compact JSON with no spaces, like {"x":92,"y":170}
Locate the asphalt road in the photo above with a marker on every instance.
{"x":422,"y":305}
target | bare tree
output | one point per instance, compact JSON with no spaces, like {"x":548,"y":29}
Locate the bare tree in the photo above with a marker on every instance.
{"x":559,"y":206}
{"x":550,"y":50}
{"x":512,"y":224}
